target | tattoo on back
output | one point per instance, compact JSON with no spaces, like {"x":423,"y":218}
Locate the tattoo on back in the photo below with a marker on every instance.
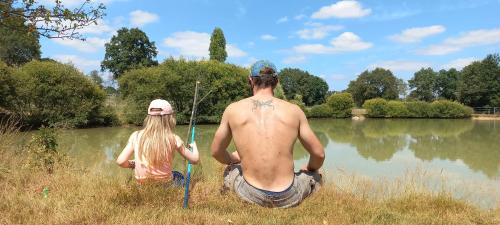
{"x":262,"y":104}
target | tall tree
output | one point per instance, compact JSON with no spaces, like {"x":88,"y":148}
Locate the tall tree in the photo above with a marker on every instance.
{"x":480,"y":83}
{"x":94,"y":76}
{"x":402,"y":88}
{"x":218,"y":46}
{"x":313,"y":89}
{"x":18,"y":44}
{"x":378,"y":83}
{"x":129,"y":49}
{"x":52,"y":19}
{"x":423,"y":84}
{"x":447,"y":84}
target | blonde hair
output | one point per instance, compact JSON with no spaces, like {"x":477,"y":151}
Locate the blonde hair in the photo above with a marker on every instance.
{"x":158,"y":140}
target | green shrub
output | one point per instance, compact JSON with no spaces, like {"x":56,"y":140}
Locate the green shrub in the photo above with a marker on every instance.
{"x":174,"y":80}
{"x":58,"y":94}
{"x":8,"y":83}
{"x":341,"y":104}
{"x":297,"y":100}
{"x":396,"y":109}
{"x":419,"y":109}
{"x":320,"y":111}
{"x":42,"y":150}
{"x":376,"y":107}
{"x":449,"y":109}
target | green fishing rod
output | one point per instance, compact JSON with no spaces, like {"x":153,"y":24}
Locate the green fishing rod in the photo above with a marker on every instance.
{"x":191,"y":130}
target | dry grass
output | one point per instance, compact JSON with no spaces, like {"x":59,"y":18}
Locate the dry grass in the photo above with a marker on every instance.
{"x":84,"y":196}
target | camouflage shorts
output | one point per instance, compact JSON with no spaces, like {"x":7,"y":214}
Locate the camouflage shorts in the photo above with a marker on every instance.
{"x":304,"y":184}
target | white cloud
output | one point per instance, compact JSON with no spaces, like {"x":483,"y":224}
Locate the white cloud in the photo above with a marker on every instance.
{"x":233,"y":51}
{"x":299,"y":17}
{"x":416,"y":34}
{"x":92,"y":44}
{"x":459,"y":63}
{"x":282,"y":20}
{"x":139,"y":18}
{"x":465,"y":40}
{"x":294,"y":59}
{"x":345,"y":42}
{"x":84,"y":65}
{"x":317,"y":31}
{"x":195,"y":44}
{"x":341,"y":9}
{"x":267,"y":37}
{"x":400,"y":65}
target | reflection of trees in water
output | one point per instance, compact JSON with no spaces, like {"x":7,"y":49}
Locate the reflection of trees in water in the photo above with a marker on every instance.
{"x":92,"y":146}
{"x":298,"y":150}
{"x":380,"y":139}
{"x":478,"y":147}
{"x":376,"y":139}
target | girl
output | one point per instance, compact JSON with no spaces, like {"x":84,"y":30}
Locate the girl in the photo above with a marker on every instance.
{"x":154,"y":146}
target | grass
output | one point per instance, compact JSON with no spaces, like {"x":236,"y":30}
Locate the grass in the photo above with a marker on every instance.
{"x":85,"y":196}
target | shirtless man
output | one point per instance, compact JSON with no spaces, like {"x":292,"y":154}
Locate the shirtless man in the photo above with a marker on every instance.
{"x":265,"y":129}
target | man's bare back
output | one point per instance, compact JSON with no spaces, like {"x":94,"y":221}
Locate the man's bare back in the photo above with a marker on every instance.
{"x":264,"y":132}
{"x":265,"y":129}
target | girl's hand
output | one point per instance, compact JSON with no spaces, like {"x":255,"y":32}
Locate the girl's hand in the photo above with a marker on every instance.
{"x":193,"y":146}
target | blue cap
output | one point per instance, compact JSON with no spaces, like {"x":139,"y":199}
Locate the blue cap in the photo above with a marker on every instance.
{"x":259,"y":65}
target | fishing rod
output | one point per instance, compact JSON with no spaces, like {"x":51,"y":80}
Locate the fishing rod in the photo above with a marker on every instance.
{"x":191,"y":130}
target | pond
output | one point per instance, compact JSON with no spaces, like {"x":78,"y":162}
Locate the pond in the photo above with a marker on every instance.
{"x":464,"y":153}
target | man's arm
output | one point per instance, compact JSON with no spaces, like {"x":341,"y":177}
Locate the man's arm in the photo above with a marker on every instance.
{"x":311,"y":144}
{"x":221,"y":140}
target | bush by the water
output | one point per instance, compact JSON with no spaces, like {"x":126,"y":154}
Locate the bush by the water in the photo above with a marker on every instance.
{"x":320,"y":111}
{"x":42,"y":150}
{"x":341,"y":104}
{"x":376,"y":107}
{"x":174,"y":80}
{"x":449,"y":109}
{"x":51,"y":93}
{"x":416,"y":109}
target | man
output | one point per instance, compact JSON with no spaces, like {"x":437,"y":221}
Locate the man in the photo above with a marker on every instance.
{"x":265,"y":129}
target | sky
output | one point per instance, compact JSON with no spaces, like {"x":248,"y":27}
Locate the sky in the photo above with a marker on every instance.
{"x":335,"y":40}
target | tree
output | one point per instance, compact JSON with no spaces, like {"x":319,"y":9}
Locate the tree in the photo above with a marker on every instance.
{"x":379,"y":83}
{"x":447,"y":84}
{"x":129,"y":49}
{"x":18,"y":45}
{"x":423,"y":84}
{"x":297,"y":82}
{"x":52,"y":20}
{"x":402,"y":88}
{"x":94,"y":76}
{"x":479,"y":84}
{"x":218,"y":46}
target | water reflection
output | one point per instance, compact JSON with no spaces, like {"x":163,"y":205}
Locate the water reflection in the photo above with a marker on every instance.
{"x":475,"y":143}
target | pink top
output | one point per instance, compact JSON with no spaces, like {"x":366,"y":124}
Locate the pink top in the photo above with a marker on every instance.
{"x":143,"y":172}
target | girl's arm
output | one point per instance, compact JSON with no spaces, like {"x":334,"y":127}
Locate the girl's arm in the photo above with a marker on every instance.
{"x":127,"y":152}
{"x":191,"y":156}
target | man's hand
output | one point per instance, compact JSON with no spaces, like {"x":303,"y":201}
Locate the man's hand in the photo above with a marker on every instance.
{"x":305,"y":169}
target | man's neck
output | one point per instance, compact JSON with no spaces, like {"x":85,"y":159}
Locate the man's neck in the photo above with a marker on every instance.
{"x":263,"y":92}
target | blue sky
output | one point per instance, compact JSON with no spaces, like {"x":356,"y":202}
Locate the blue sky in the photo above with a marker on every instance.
{"x":336,"y":40}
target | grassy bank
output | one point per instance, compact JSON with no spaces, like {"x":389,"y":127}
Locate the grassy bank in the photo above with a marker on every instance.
{"x":83,"y":196}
